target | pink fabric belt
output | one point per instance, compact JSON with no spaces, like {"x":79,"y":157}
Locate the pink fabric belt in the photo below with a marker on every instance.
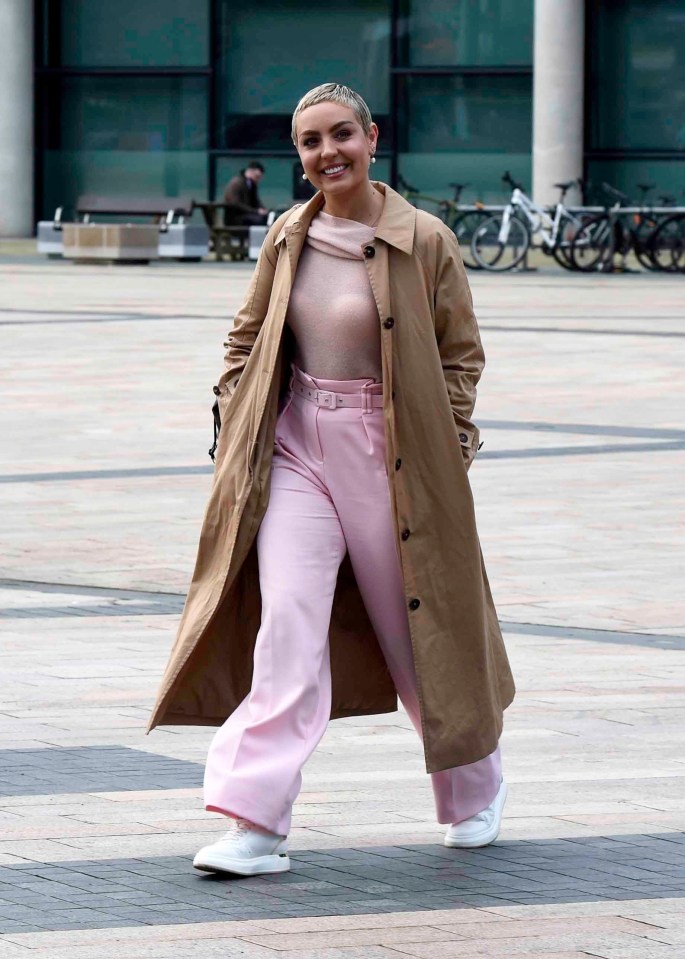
{"x":364,"y":399}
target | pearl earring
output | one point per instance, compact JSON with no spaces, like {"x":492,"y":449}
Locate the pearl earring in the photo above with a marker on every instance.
{"x":304,"y":176}
{"x":373,"y":158}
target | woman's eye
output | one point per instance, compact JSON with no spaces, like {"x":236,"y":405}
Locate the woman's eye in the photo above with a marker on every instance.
{"x":344,"y":134}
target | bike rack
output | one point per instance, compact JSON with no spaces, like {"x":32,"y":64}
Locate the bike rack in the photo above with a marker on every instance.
{"x":615,"y":215}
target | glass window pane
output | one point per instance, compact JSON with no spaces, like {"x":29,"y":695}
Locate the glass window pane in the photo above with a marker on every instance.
{"x":129,"y":136}
{"x":134,"y":33}
{"x":639,"y":75}
{"x":466,"y":129}
{"x":278,"y":49}
{"x":466,"y":33}
{"x":626,"y":174}
{"x":128,"y":113}
{"x":432,"y":174}
{"x":468,"y":113}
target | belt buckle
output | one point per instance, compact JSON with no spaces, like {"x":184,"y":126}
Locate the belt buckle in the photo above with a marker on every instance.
{"x":325,"y":399}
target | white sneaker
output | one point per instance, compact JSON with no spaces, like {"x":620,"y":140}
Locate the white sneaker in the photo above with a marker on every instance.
{"x":246,"y":851}
{"x":481,"y":829}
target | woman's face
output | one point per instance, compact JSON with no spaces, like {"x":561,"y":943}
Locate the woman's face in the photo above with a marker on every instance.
{"x":333,"y":147}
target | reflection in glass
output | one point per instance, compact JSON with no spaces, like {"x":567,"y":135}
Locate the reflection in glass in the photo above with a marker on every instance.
{"x":466,"y":33}
{"x":467,"y":113}
{"x":128,"y":113}
{"x":639,"y":67}
{"x":132,"y":33}
{"x":626,"y":173}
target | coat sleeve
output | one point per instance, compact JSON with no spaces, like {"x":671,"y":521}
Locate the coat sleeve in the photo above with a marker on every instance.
{"x":248,"y":320}
{"x":459,"y":345}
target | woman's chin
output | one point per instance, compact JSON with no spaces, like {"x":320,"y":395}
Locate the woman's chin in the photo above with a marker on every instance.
{"x":345,"y":184}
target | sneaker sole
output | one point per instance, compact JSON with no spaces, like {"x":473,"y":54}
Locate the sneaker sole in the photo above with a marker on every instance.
{"x":260,"y":866}
{"x":488,"y":835}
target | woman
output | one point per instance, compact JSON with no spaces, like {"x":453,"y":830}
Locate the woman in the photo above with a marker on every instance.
{"x":339,"y":563}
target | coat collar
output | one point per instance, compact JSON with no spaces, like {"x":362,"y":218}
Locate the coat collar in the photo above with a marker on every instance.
{"x":396,"y":225}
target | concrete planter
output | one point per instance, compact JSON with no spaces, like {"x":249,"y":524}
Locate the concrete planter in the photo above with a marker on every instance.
{"x":184,"y":241}
{"x":119,"y":243}
{"x":257,"y":235}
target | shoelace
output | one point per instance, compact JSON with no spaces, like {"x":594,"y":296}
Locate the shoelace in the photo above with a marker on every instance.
{"x":238,"y":828}
{"x":483,"y":816}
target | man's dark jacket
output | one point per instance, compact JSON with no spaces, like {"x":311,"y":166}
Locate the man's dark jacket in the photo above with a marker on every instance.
{"x":243,"y":196}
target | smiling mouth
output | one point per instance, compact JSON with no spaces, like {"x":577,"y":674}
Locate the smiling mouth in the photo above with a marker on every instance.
{"x":334,"y":170}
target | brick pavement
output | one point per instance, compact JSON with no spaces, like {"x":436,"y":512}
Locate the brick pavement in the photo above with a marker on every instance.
{"x":579,"y":489}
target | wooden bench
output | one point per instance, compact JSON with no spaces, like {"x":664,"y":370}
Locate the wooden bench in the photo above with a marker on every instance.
{"x":227,"y":241}
{"x":161,"y":210}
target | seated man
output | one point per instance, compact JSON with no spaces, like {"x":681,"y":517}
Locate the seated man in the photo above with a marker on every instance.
{"x":241,"y":193}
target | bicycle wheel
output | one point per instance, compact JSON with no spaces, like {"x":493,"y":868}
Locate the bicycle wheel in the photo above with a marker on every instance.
{"x":464,"y":227}
{"x":498,"y":244}
{"x":667,"y":245}
{"x":591,"y":245}
{"x":568,"y":230}
{"x":643,"y":232}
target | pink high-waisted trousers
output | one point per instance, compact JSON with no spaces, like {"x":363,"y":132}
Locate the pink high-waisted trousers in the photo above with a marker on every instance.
{"x":329,"y":495}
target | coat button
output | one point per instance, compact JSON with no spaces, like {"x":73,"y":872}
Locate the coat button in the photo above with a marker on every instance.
{"x":216,"y":391}
{"x":389,"y":323}
{"x":398,"y":463}
{"x":405,"y":534}
{"x":414,"y":604}
{"x":369,"y":252}
{"x":463,"y":438}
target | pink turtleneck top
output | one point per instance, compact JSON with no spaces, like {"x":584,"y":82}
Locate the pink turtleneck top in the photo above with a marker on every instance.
{"x":332,"y":312}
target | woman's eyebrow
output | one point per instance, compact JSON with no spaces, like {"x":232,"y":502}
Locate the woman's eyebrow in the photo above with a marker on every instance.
{"x":340,"y":123}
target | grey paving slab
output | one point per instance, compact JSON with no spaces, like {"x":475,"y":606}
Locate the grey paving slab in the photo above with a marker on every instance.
{"x":174,"y":894}
{"x":83,"y":769}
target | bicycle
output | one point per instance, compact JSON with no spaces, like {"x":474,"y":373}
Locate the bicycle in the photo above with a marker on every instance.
{"x":462,"y":222}
{"x":607,"y":235}
{"x":666,"y":245}
{"x":503,"y":240}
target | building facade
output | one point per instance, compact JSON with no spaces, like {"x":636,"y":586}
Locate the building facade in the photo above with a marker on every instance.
{"x":171,"y":97}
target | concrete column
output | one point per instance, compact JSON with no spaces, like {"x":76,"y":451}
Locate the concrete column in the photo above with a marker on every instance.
{"x":558,"y":82}
{"x":16,"y":118}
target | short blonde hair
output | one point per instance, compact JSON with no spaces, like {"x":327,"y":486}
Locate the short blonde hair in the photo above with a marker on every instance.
{"x":334,"y":93}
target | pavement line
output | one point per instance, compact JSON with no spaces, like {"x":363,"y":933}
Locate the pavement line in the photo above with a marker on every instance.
{"x":496,"y":328}
{"x":583,"y":429}
{"x":152,"y":471}
{"x":141,"y":471}
{"x":581,"y":450}
{"x":509,"y":626}
{"x":73,"y":589}
{"x":619,"y":637}
{"x":114,"y":318}
{"x":53,"y":318}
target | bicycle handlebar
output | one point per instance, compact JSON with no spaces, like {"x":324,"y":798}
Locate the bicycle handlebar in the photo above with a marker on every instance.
{"x":406,"y":186}
{"x":616,"y":194}
{"x":508,"y":178}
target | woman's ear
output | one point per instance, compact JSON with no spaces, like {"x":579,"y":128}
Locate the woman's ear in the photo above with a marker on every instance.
{"x":373,"y":136}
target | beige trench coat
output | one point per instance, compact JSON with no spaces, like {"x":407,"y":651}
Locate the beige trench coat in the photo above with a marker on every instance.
{"x":432,"y":359}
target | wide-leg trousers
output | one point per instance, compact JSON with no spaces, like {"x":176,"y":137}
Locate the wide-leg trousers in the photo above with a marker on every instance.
{"x":329,"y":496}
